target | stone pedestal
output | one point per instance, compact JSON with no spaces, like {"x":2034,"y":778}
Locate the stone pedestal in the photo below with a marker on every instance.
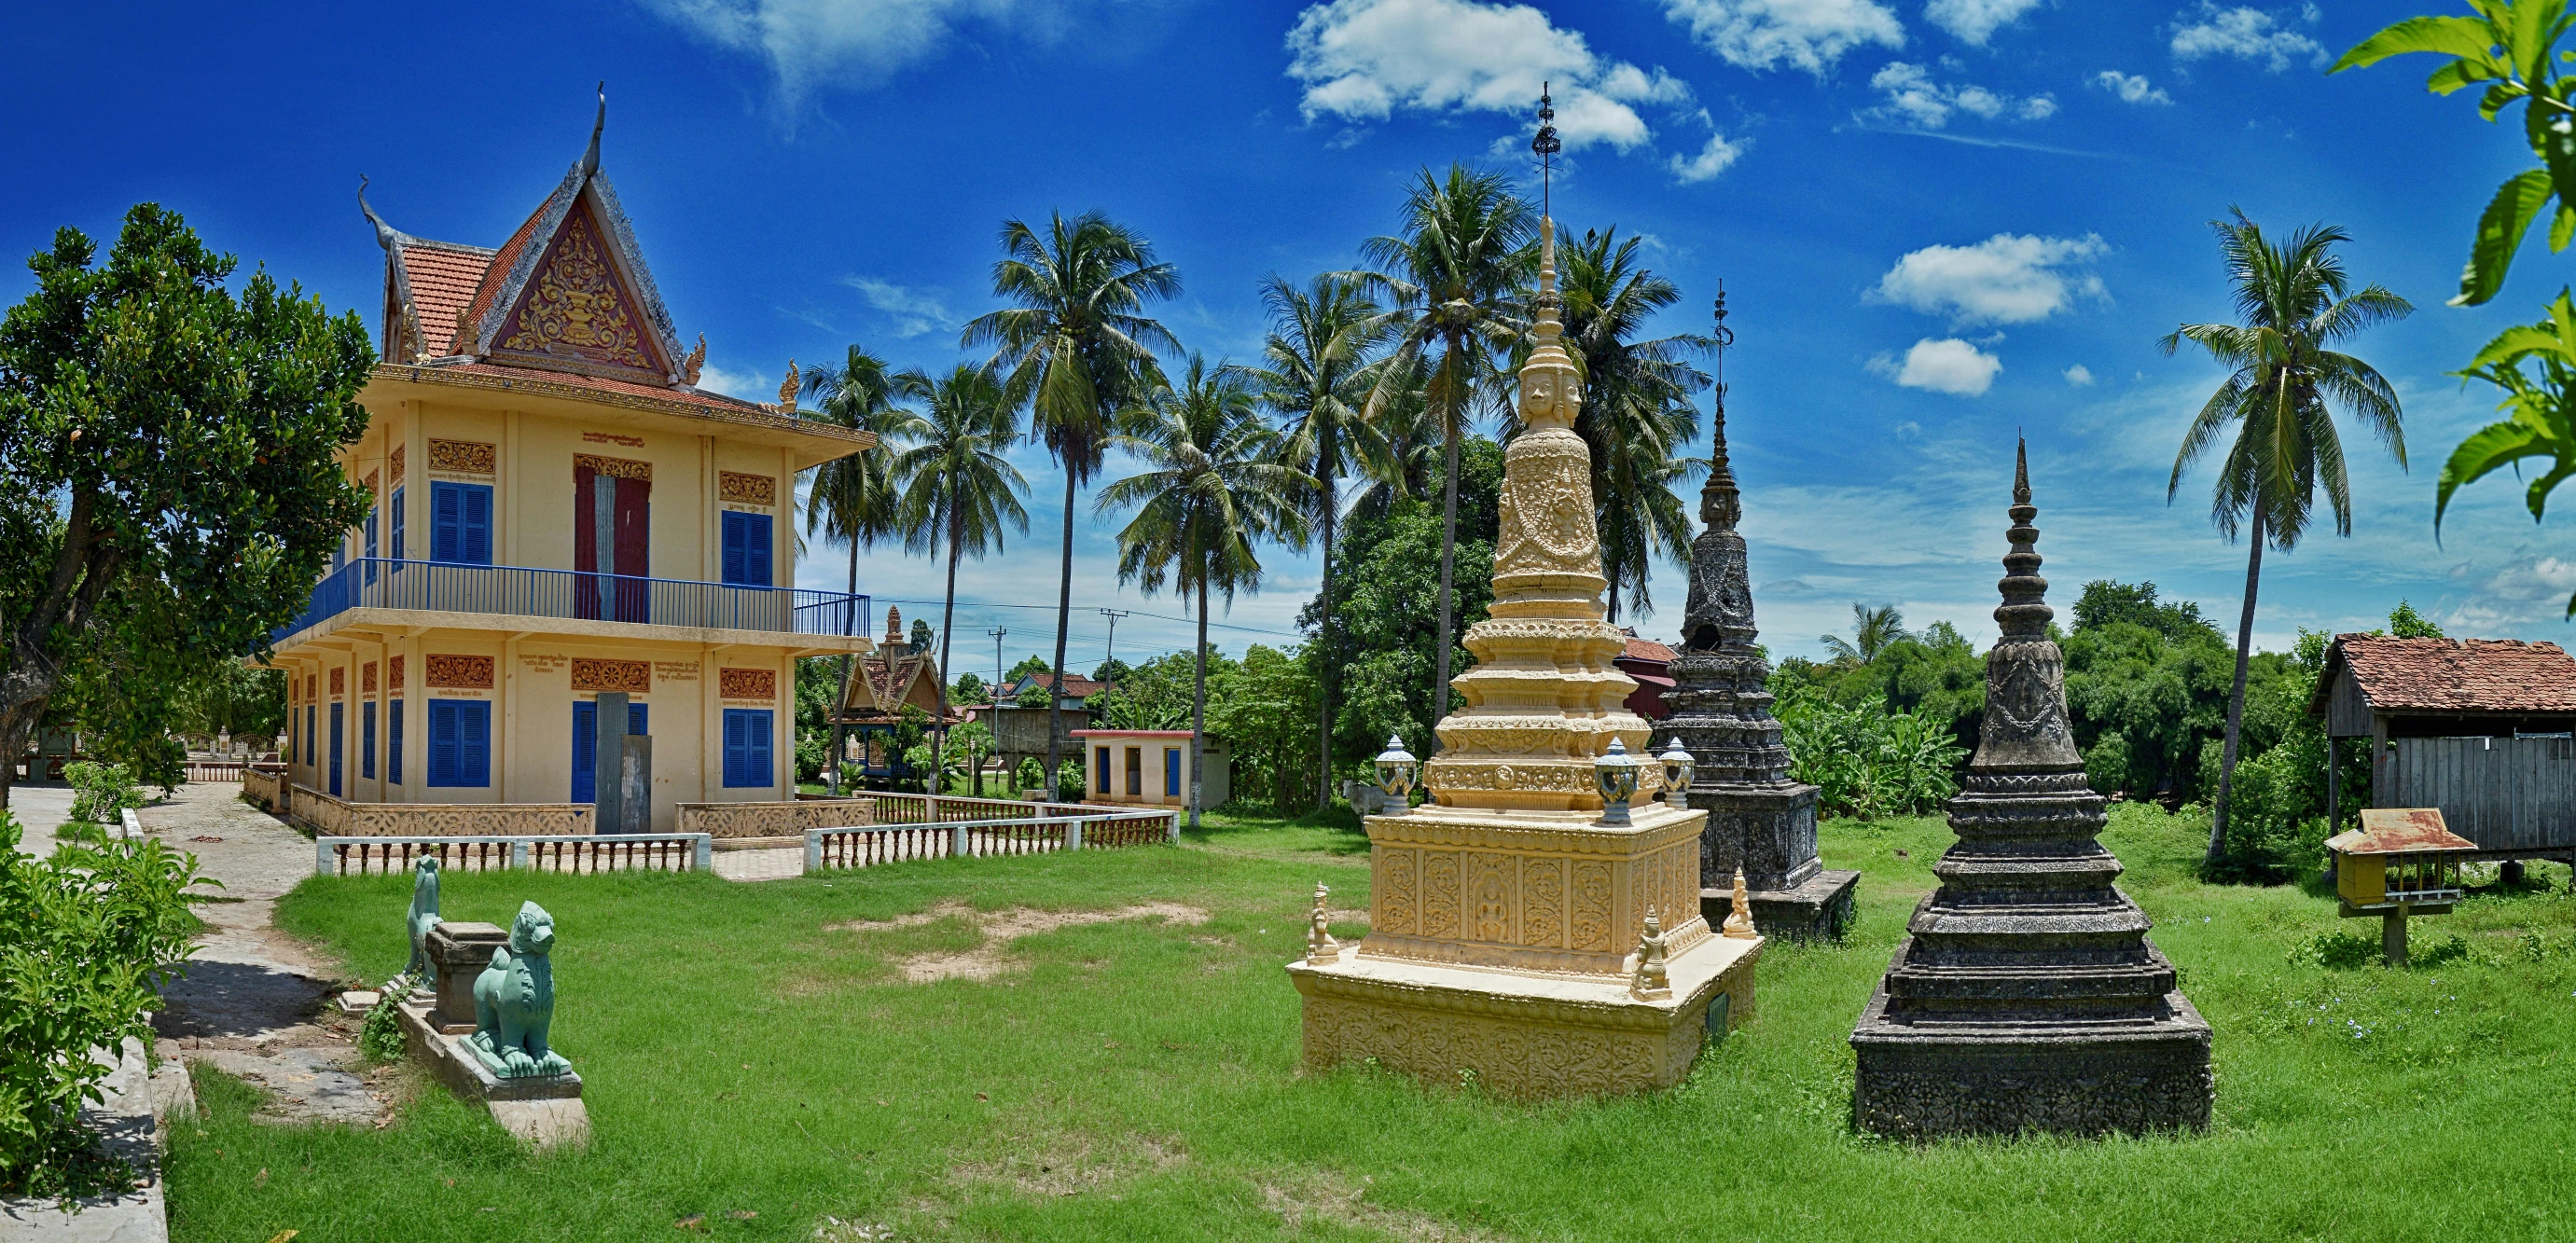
{"x":2028,"y":997}
{"x":544,"y":1110}
{"x":458,"y":952}
{"x":1502,"y":948}
{"x":1820,"y":908}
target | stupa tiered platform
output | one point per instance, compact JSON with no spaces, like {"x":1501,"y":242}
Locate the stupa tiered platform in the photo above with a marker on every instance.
{"x":2028,"y":997}
{"x":1513,"y":934}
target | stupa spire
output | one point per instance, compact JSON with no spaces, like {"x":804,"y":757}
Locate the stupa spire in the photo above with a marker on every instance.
{"x":2025,"y":613}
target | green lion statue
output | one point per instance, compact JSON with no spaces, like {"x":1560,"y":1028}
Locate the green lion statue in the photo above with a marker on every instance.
{"x":423,"y":917}
{"x":514,"y":1001}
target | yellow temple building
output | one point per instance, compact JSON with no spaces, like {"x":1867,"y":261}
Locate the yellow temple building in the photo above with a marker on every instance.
{"x":558,"y":511}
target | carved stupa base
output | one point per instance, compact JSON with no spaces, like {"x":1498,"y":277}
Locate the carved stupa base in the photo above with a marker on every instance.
{"x":1503,"y":943}
{"x":1821,"y":908}
{"x":1925,"y":1080}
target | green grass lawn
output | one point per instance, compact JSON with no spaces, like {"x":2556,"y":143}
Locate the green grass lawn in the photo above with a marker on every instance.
{"x":1137,"y":1080}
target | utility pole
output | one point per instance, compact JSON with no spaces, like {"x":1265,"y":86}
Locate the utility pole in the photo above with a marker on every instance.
{"x":997,"y":632}
{"x":1113,"y":615}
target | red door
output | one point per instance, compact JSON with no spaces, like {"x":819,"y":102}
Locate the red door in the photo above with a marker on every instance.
{"x":612,"y":587}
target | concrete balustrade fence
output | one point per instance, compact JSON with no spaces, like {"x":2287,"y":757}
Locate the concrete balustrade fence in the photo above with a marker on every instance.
{"x":867,"y":846}
{"x":568,"y":853}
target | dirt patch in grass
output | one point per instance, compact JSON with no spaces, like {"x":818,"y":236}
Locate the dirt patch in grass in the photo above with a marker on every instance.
{"x":1071,"y":1163}
{"x":1324,"y":1196}
{"x":999,"y":928}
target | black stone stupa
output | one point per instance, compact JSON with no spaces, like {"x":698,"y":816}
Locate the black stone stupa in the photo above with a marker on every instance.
{"x":2028,"y":997}
{"x":1759,"y":819}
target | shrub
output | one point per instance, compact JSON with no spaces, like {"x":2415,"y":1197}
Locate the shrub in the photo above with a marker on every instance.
{"x":1031,"y":775}
{"x":1867,"y":761}
{"x":380,"y":1037}
{"x":2275,"y":830}
{"x":2337,"y":951}
{"x":87,"y":939}
{"x":102,"y":791}
{"x":1068,"y":782}
{"x":2448,"y":947}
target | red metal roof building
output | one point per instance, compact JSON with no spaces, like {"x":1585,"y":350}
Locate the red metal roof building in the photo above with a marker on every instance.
{"x":1649,"y":663}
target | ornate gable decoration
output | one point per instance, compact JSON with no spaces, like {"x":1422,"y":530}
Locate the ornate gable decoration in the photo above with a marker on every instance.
{"x":577,"y":314}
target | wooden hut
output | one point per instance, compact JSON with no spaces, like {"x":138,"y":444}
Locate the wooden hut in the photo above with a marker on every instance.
{"x":2479,"y":728}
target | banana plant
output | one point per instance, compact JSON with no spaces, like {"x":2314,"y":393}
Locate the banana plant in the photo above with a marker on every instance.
{"x":2508,"y":45}
{"x":2541,"y":412}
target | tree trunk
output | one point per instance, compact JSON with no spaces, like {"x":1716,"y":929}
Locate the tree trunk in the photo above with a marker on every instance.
{"x":1324,"y":637}
{"x":1613,"y":576}
{"x":849,"y":619}
{"x":1198,"y":704}
{"x":82,"y":570}
{"x":1448,"y":599}
{"x":1063,"y":618}
{"x":2236,"y":697}
{"x":947,"y":619}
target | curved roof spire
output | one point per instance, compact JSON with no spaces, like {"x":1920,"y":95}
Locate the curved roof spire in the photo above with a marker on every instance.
{"x":590,"y":158}
{"x":387,"y":236}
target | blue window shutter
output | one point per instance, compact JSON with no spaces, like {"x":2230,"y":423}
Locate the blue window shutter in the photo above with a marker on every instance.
{"x":474,"y":750}
{"x":759,"y":758}
{"x":393,"y":742}
{"x":756,"y":548}
{"x":737,"y":731}
{"x":585,"y":753}
{"x":1101,"y":758}
{"x":446,"y":523}
{"x":394,"y":550}
{"x":635,"y":719}
{"x":1171,"y":771}
{"x":367,"y":740}
{"x":443,"y":743}
{"x":478,"y":525}
{"x":736,"y":567}
{"x":339,"y":736}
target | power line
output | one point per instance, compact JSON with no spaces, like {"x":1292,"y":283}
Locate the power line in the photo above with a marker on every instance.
{"x":1213,"y":625}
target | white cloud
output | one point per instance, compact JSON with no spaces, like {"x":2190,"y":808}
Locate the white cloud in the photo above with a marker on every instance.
{"x":2005,"y":279}
{"x":1974,"y":20}
{"x":1805,"y":34}
{"x":1364,"y":60}
{"x":1949,"y":365}
{"x":1711,"y":160}
{"x":2244,"y":33}
{"x":914,"y":311}
{"x":1915,"y":98}
{"x":811,"y":43}
{"x":743,"y":385}
{"x":2131,"y":87}
{"x":2078,"y":375}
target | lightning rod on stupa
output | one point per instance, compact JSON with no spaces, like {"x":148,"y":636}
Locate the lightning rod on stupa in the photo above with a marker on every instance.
{"x":1545,"y":145}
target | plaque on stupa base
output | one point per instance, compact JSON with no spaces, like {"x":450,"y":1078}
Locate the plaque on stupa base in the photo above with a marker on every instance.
{"x":1500,"y":951}
{"x":1536,"y":928}
{"x":2028,"y":997}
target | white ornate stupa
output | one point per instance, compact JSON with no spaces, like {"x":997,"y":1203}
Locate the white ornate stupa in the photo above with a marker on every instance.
{"x":1513,"y":931}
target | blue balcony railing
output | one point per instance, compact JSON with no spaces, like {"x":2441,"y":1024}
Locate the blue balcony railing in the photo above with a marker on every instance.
{"x":440,"y":586}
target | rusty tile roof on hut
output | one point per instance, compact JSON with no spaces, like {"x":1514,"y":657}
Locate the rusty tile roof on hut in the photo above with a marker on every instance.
{"x":2450,"y":675}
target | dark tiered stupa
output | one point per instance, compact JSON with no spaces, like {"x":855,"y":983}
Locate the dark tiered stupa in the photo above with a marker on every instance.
{"x":2028,"y":997}
{"x":1758,"y":818}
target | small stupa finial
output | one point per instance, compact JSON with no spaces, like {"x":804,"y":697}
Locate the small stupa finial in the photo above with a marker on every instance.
{"x":1320,"y":945}
{"x":2024,"y":613}
{"x":590,"y":158}
{"x":1545,"y":144}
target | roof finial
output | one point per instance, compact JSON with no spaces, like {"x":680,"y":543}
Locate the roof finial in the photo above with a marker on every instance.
{"x":387,"y":236}
{"x":1546,"y":145}
{"x":2025,"y":612}
{"x":2021,"y":470}
{"x":787,"y":388}
{"x":590,"y":158}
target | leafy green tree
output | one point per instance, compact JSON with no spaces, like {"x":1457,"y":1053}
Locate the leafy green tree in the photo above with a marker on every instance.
{"x":959,"y":491}
{"x":2405,"y":623}
{"x":163,"y":434}
{"x":2283,"y":382}
{"x":1077,"y":347}
{"x":1637,"y":411}
{"x":1155,"y":695}
{"x":2510,"y":46}
{"x":968,"y":689}
{"x":1316,"y":373}
{"x":1264,"y":707}
{"x":1109,"y":672}
{"x":1029,"y":664}
{"x":853,"y":499}
{"x":1212,"y":489}
{"x":1453,"y":279}
{"x":2147,"y":683}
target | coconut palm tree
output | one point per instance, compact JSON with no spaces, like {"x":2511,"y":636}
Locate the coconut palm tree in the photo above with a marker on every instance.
{"x":1213,"y":487}
{"x":1315,"y":375}
{"x":2282,"y":384}
{"x":1453,"y":279}
{"x":852,"y":499}
{"x":1873,"y":630}
{"x":959,"y":492}
{"x":1638,"y":410}
{"x":1076,"y":347}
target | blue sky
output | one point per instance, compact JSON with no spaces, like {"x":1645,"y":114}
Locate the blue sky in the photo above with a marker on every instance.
{"x":1937,"y":223}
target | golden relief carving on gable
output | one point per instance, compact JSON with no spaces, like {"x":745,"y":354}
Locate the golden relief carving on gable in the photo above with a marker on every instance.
{"x":463,"y":457}
{"x":575,"y":306}
{"x":743,"y":489}
{"x":614,"y":467}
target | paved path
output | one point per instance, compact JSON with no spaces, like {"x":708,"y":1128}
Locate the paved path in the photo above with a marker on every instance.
{"x":781,"y":864}
{"x":254,"y":1002}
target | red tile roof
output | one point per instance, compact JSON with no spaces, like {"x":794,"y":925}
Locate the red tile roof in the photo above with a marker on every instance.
{"x":442,"y":282}
{"x":2452,"y":675}
{"x":1647,"y":649}
{"x":1075,"y":685}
